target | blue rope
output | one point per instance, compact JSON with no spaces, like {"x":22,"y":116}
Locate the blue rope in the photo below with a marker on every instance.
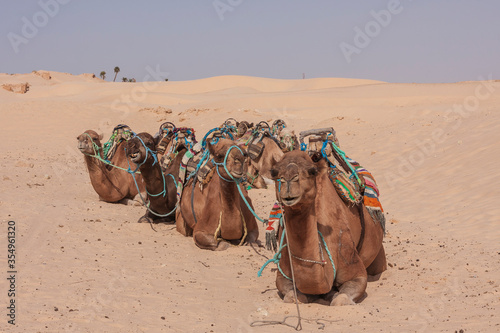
{"x":237,"y":181}
{"x":137,"y":185}
{"x":277,"y":257}
{"x":342,"y":154}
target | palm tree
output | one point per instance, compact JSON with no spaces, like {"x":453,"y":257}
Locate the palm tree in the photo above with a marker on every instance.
{"x":124,"y":79}
{"x":117,"y":69}
{"x":103,"y":75}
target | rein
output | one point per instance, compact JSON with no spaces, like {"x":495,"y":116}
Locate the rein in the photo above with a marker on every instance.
{"x":236,"y":180}
{"x":98,"y":157}
{"x":163,"y":192}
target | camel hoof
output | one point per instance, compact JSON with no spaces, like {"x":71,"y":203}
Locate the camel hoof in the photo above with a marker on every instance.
{"x":222,"y":246}
{"x":289,"y":297}
{"x":341,"y":299}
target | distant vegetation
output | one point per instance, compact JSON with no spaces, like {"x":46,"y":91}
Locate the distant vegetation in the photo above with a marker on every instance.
{"x":117,"y":70}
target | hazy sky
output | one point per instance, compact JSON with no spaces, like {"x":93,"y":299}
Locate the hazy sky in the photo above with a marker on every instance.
{"x":388,"y":40}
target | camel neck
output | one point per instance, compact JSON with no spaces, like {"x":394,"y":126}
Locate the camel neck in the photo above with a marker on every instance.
{"x":312,"y":277}
{"x":153,"y":178}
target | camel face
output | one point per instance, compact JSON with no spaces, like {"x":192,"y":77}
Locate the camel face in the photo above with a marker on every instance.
{"x":86,"y":142}
{"x":295,"y":177}
{"x":235,"y":160}
{"x":136,"y":148}
{"x":288,"y":140}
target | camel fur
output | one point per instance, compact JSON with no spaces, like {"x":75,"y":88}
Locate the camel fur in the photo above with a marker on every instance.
{"x":259,"y":169}
{"x":220,"y":214}
{"x":111,"y":184}
{"x":311,"y":204}
{"x":160,"y":186}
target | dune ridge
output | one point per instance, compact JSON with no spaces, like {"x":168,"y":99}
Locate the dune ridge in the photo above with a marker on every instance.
{"x":431,"y":147}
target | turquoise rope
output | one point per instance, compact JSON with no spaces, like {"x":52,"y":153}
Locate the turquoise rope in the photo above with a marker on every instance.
{"x":137,"y":185}
{"x":237,"y":181}
{"x":342,"y":154}
{"x":277,"y":257}
{"x":96,"y":155}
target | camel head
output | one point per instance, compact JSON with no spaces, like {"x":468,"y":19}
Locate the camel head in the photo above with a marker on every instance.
{"x":243,"y":127}
{"x":235,"y":159}
{"x":288,"y":140}
{"x":139,"y":148}
{"x":86,"y":142}
{"x":254,"y":179}
{"x":295,"y":179}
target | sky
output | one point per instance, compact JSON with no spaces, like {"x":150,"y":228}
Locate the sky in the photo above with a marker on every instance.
{"x":423,"y":41}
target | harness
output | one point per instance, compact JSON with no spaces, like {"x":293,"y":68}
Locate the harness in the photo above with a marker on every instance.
{"x":163,"y":192}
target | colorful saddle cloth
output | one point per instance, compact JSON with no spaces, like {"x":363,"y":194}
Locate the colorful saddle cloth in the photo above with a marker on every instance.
{"x":197,"y":161}
{"x":352,"y":182}
{"x":172,"y":142}
{"x":120,"y":133}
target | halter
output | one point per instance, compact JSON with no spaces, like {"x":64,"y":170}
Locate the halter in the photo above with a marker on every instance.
{"x":236,"y":180}
{"x":98,"y":157}
{"x":163,"y":192}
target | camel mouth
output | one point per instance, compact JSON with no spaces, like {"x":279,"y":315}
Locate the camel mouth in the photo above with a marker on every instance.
{"x":290,"y":201}
{"x":237,"y":174}
{"x":134,"y":157}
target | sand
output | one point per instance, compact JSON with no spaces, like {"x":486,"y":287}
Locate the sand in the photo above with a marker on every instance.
{"x":87,"y":266}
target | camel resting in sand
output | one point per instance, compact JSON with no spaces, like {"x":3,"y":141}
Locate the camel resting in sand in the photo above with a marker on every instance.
{"x":216,"y":214}
{"x":111,"y":184}
{"x":161,"y":187}
{"x":322,"y":235}
{"x":263,"y":152}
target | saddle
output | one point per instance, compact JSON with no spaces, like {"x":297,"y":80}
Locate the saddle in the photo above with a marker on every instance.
{"x":120,"y":133}
{"x":323,"y":143}
{"x":172,"y":141}
{"x":354,"y":184}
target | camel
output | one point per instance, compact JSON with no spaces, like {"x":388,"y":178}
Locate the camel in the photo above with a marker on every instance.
{"x":259,"y":164}
{"x":161,"y":187}
{"x":319,"y":224}
{"x":217,"y":212}
{"x":111,"y":184}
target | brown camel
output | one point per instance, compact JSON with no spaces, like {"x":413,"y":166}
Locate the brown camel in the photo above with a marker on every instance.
{"x":314,"y":211}
{"x":259,"y":167}
{"x":111,"y":184}
{"x":160,"y":186}
{"x":217,"y":212}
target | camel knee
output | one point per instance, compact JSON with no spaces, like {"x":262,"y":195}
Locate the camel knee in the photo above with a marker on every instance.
{"x":351,"y":291}
{"x":205,"y":241}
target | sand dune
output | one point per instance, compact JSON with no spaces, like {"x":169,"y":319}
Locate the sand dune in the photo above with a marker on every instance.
{"x":87,"y":266}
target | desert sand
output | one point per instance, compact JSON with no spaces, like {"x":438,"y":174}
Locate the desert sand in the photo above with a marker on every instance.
{"x":87,"y":266}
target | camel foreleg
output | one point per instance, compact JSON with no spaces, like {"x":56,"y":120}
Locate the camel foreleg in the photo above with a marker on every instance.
{"x":350,"y":292}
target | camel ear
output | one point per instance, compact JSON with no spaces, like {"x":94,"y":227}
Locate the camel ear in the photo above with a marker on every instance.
{"x":101,"y":136}
{"x":274,"y":174}
{"x":250,"y":125}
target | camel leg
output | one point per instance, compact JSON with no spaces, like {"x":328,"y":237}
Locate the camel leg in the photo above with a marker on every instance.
{"x":350,"y":292}
{"x":379,"y":264}
{"x":285,"y":287}
{"x":181,"y":225}
{"x":128,"y":202}
{"x":206,"y":241}
{"x":136,"y":201}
